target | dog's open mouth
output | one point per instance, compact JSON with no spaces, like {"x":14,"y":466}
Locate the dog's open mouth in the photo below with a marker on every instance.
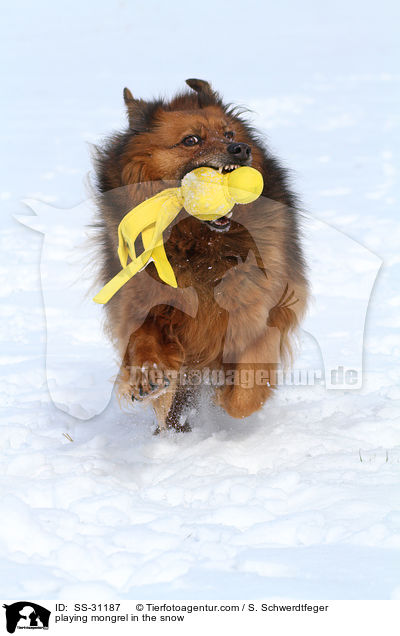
{"x":222,"y":224}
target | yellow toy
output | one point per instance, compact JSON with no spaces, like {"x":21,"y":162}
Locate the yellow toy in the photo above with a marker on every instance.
{"x":205,"y":193}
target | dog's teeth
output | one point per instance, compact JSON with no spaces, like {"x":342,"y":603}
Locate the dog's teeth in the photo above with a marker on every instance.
{"x":230,"y":167}
{"x":220,"y":170}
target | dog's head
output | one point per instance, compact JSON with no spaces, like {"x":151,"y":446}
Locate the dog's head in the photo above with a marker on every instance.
{"x":168,"y":139}
{"x":193,"y":129}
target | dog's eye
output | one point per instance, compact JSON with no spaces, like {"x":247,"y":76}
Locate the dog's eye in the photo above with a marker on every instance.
{"x":191,"y":140}
{"x":229,"y":134}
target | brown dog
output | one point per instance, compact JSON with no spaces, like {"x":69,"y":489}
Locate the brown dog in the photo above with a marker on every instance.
{"x":241,"y":280}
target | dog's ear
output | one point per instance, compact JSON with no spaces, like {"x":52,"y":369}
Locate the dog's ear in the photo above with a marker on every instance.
{"x":140,"y":113}
{"x":200,"y":86}
{"x":128,"y":97}
{"x":133,"y":106}
{"x":206,"y":94}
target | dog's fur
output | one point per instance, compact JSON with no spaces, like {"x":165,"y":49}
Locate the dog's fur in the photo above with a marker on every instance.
{"x":249,"y":282}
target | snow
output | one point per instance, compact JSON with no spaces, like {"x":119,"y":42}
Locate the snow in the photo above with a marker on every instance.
{"x":300,"y":500}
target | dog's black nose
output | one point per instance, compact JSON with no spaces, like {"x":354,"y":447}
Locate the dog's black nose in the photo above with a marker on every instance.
{"x":239,"y":150}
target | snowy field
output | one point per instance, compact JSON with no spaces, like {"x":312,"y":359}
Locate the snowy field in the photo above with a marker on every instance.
{"x":300,"y":500}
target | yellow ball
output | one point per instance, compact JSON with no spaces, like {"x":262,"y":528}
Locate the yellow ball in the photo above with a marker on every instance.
{"x":245,"y":184}
{"x":208,"y":194}
{"x":203,"y":194}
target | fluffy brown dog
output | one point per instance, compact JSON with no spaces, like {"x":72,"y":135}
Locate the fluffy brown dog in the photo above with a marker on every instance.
{"x":241,"y":280}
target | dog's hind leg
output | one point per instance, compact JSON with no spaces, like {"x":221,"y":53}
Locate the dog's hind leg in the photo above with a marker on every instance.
{"x":172,"y":409}
{"x":162,"y":405}
{"x":184,"y":403}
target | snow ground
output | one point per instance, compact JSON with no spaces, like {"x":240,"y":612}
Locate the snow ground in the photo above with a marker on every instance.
{"x":301,"y":500}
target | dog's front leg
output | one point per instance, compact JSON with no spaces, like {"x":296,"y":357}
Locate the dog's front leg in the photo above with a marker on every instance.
{"x":150,"y":367}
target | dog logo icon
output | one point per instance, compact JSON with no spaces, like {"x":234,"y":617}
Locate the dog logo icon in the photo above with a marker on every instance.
{"x":26,"y":615}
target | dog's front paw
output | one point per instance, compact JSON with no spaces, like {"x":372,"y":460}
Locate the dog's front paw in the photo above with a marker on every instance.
{"x":146,"y":381}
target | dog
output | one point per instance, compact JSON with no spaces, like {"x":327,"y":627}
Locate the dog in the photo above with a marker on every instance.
{"x":242,"y":284}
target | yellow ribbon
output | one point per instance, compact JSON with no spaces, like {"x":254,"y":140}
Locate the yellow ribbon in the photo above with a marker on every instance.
{"x":204,"y":193}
